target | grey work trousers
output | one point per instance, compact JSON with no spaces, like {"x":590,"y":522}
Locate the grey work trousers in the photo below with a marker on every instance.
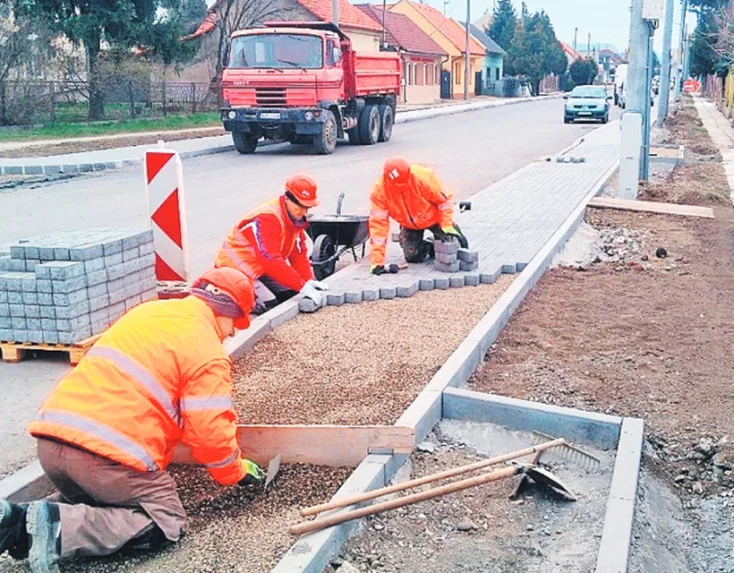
{"x":105,"y":505}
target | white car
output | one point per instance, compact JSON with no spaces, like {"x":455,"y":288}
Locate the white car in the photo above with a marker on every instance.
{"x":586,"y":102}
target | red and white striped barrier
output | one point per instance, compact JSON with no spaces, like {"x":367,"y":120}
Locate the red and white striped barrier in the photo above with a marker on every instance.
{"x":164,"y":186}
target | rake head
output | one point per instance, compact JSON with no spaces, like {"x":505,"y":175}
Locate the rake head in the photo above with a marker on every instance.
{"x":575,"y":455}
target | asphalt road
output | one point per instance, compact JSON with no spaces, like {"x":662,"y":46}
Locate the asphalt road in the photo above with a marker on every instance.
{"x":470,"y":151}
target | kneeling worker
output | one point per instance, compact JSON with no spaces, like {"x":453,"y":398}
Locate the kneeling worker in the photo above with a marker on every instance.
{"x":269,"y":245}
{"x":158,"y":377}
{"x":416,"y":198}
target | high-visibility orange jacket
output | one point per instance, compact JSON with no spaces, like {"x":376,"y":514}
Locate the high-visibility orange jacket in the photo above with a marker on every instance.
{"x":157,"y":377}
{"x":267,"y":241}
{"x":423,"y":202}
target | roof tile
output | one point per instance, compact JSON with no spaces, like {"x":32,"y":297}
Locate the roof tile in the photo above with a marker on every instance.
{"x":349,"y":15}
{"x":402,"y":32}
{"x":450,"y":29}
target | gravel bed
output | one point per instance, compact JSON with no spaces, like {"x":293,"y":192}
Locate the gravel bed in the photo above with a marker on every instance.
{"x":229,"y":530}
{"x":357,"y":364}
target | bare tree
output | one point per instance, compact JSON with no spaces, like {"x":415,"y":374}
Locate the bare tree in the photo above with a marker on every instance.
{"x":16,"y":40}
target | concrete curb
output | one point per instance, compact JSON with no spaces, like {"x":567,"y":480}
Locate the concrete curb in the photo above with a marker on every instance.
{"x":52,"y":167}
{"x":616,"y":536}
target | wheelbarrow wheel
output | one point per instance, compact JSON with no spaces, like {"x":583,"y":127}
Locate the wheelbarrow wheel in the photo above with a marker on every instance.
{"x":323,"y":249}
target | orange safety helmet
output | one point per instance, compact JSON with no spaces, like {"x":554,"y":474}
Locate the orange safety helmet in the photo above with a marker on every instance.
{"x":236,"y":286}
{"x":302,"y":188}
{"x":396,"y":171}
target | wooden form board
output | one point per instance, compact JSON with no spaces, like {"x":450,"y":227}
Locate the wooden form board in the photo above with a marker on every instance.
{"x":335,"y":446}
{"x":652,"y":207}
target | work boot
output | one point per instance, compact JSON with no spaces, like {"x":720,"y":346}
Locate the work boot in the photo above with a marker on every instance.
{"x":44,"y":528}
{"x":13,"y":534}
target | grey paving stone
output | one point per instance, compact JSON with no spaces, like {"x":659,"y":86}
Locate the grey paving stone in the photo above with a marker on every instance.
{"x":407,"y":290}
{"x":353,"y":297}
{"x":467,"y":256}
{"x":130,"y":254}
{"x":446,"y":258}
{"x":132,"y":302}
{"x":70,"y":168}
{"x":471,"y":280}
{"x":50,"y":336}
{"x":20,"y":335}
{"x":18,"y":322}
{"x":441,"y":283}
{"x":44,"y":286}
{"x":62,"y":270}
{"x":335,"y":298}
{"x":85,"y":253}
{"x":96,"y":278}
{"x":307,"y":305}
{"x":93,"y":265}
{"x":509,"y":269}
{"x":48,"y":324}
{"x":47,"y":311}
{"x":112,"y":247}
{"x":30,"y":265}
{"x":455,"y":282}
{"x":388,"y":292}
{"x":15,"y":297}
{"x":33,"y":170}
{"x":3,"y":297}
{"x":446,"y":268}
{"x":5,"y":323}
{"x":370,"y":294}
{"x":449,"y":248}
{"x":112,"y":260}
{"x":426,"y":284}
{"x":33,"y":324}
{"x":468,"y":267}
{"x":6,"y":334}
{"x":32,"y":310}
{"x":70,"y":285}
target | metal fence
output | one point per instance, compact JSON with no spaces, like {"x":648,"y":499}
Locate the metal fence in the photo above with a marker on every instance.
{"x":43,"y":102}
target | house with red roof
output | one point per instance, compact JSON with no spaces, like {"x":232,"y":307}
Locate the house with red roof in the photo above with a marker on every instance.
{"x":452,"y":38}
{"x":422,"y":57}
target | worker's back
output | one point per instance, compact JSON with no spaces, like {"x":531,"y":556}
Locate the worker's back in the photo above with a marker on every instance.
{"x":122,"y":400}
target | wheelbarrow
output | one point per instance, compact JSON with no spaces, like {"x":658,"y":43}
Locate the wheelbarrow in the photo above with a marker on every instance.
{"x":332,"y":236}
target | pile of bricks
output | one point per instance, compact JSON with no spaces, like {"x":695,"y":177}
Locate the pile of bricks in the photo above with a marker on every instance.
{"x":66,"y":287}
{"x":452,"y":259}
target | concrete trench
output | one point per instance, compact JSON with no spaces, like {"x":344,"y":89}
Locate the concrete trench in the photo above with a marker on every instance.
{"x":444,"y":399}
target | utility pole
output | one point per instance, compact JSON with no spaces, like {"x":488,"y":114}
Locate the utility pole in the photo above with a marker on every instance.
{"x":665,"y":71}
{"x":575,"y":39}
{"x":467,"y":58}
{"x":588,"y":47}
{"x":679,"y":79}
{"x":384,"y":31}
{"x":335,"y":11}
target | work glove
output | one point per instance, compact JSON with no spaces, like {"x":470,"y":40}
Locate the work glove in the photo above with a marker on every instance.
{"x":381,"y":270}
{"x":318,"y":285}
{"x":254,"y":475}
{"x":452,"y":232}
{"x":311,"y":292}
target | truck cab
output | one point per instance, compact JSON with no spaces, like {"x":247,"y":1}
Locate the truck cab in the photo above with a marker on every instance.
{"x":303,"y":83}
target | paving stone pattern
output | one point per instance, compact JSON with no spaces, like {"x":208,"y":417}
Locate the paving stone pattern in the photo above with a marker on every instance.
{"x":66,"y":287}
{"x":509,"y":222}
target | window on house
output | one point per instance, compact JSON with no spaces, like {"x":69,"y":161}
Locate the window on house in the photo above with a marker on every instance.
{"x":457,"y":73}
{"x":415,"y":74}
{"x":410,"y":74}
{"x":497,"y":74}
{"x":437,"y":72}
{"x":425,"y":74}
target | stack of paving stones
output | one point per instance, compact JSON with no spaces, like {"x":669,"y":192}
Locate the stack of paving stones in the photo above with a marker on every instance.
{"x":451,"y":259}
{"x":66,"y":287}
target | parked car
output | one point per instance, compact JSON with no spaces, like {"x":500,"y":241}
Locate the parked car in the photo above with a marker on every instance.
{"x":586,"y":102}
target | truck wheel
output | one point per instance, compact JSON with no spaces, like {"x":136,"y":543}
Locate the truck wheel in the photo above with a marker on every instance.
{"x":354,"y":136}
{"x":369,"y":125}
{"x":245,"y":144}
{"x":386,"y":122}
{"x":325,"y":142}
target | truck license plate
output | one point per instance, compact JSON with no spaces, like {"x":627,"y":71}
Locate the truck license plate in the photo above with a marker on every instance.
{"x":270,"y":115}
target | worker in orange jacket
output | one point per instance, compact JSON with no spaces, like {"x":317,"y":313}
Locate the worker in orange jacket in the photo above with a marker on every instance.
{"x":417,"y":199}
{"x":269,"y":245}
{"x":158,"y":377}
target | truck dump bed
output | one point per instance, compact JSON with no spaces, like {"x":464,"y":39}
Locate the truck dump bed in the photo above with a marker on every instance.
{"x":377,"y":73}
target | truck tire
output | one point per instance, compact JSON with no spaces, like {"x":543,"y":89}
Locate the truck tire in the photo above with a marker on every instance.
{"x":325,"y":142}
{"x":369,"y":125}
{"x":354,"y":136}
{"x":245,"y":144}
{"x":387,"y":118}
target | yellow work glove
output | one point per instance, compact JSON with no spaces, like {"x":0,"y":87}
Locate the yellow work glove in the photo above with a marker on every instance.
{"x":451,"y":230}
{"x":254,"y":475}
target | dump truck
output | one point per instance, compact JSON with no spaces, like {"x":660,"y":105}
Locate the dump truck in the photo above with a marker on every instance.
{"x":302,"y":82}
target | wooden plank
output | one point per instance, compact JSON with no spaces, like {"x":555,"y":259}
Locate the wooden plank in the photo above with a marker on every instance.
{"x":335,"y":446}
{"x":652,"y":207}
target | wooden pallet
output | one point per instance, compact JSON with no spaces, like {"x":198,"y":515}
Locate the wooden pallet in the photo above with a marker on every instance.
{"x":16,"y":351}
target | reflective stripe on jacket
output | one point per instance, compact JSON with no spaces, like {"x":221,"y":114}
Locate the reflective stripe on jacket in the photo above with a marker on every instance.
{"x":423,"y":202}
{"x":157,"y":377}
{"x":267,"y":241}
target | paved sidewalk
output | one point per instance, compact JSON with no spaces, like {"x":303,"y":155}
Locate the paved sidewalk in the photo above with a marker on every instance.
{"x":119,"y":157}
{"x":508,"y":224}
{"x":721,"y":131}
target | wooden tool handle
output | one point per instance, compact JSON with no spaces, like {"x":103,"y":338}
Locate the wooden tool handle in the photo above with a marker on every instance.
{"x":328,"y":521}
{"x":351,"y":500}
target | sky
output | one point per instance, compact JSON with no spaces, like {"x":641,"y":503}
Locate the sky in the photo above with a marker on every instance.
{"x":608,"y":21}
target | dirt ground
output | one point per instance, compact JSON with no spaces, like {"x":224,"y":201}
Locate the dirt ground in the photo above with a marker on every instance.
{"x":230,"y":529}
{"x":480,"y":530}
{"x":640,"y":335}
{"x":357,"y":364}
{"x":72,"y":146}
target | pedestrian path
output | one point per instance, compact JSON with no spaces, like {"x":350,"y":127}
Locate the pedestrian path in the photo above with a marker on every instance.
{"x":509,"y":222}
{"x":722,"y":133}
